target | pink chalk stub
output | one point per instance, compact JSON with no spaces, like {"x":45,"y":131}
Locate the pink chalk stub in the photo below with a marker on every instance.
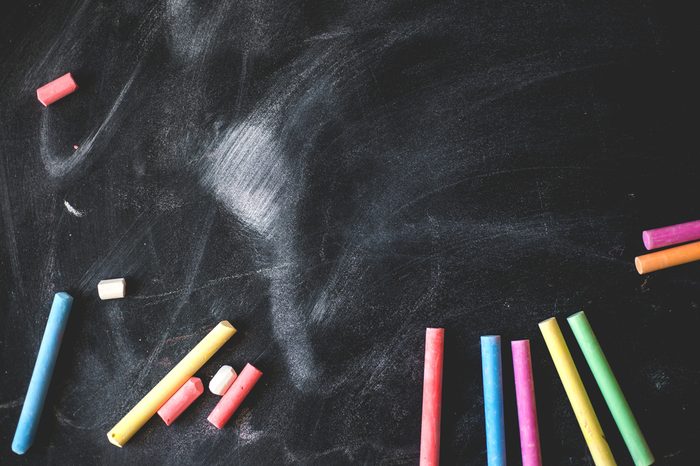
{"x":673,"y":234}
{"x":181,"y":400}
{"x":527,"y":410}
{"x":56,"y":89}
{"x":234,"y":396}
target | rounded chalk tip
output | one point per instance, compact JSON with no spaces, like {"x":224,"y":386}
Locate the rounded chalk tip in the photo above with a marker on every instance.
{"x":490,"y":338}
{"x":20,"y":446}
{"x":519,"y":343}
{"x":63,"y":296}
{"x":647,"y":240}
{"x":576,"y":316}
{"x":550,"y":321}
{"x":639,"y":265}
{"x":112,"y":437}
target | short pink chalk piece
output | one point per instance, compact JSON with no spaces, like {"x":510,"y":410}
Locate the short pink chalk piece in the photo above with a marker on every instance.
{"x":56,"y":89}
{"x":181,"y":400}
{"x":234,"y":396}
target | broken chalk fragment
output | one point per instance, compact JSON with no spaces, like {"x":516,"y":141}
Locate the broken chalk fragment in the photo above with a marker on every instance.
{"x":235,"y":395}
{"x":181,"y":400}
{"x":112,"y":289}
{"x":222,"y":380}
{"x":56,"y":89}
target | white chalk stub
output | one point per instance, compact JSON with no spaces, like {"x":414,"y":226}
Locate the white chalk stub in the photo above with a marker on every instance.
{"x":112,"y":289}
{"x":223,"y":379}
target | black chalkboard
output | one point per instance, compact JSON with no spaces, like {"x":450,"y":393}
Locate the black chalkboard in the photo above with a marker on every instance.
{"x":333,"y":177}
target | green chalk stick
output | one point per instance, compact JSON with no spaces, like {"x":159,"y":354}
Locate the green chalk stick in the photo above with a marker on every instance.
{"x":641,"y":455}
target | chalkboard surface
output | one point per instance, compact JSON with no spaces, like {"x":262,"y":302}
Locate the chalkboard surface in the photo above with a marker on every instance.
{"x":333,"y":177}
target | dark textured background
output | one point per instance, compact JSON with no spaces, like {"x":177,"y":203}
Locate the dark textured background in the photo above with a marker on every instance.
{"x":333,"y":177}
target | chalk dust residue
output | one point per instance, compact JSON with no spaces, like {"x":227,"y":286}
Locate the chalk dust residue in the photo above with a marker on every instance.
{"x":72,"y":210}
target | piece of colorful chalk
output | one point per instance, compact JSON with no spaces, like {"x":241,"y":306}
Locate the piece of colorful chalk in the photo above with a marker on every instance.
{"x":620,"y":409}
{"x":56,"y":89}
{"x":234,"y":396}
{"x":527,"y":409}
{"x":491,"y":368}
{"x":151,"y":403}
{"x":670,"y":235}
{"x":576,"y":392}
{"x":432,"y":397}
{"x":114,"y":288}
{"x":667,"y":258}
{"x":222,"y":381}
{"x":181,"y":400}
{"x":41,"y":376}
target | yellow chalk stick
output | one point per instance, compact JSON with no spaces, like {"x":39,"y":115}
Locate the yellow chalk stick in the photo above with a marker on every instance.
{"x":181,"y":373}
{"x":587,"y":420}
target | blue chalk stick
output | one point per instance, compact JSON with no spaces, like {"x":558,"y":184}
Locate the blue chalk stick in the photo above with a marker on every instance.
{"x":493,"y":400}
{"x":41,"y":377}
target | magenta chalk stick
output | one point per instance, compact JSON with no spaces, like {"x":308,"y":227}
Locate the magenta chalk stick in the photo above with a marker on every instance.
{"x":181,"y":400}
{"x":56,"y":89}
{"x":234,"y":396}
{"x":527,"y":409}
{"x":432,"y":397}
{"x":674,"y":234}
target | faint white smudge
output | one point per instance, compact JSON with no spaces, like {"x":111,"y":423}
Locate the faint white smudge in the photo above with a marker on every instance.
{"x":72,"y":210}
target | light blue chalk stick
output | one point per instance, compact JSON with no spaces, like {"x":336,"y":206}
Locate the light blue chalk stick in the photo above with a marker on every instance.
{"x":493,"y":400}
{"x":41,"y":377}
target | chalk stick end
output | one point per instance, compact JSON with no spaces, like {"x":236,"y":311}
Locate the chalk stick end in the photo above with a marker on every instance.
{"x":112,"y":436}
{"x":639,"y":265}
{"x":575,"y":316}
{"x":647,"y":240}
{"x":490,"y":338}
{"x":19,"y":447}
{"x":547,"y":322}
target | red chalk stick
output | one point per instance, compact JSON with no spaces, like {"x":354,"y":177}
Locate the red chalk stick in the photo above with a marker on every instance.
{"x":432,"y":397}
{"x":181,"y":400}
{"x":234,"y":396}
{"x":56,"y":89}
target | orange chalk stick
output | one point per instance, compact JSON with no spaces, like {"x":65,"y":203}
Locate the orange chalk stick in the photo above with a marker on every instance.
{"x":668,"y":258}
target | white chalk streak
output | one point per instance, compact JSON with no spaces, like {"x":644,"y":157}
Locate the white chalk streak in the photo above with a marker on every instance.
{"x":73,"y":211}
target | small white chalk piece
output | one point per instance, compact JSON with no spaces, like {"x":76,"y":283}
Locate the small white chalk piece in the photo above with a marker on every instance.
{"x":112,"y":289}
{"x":223,"y":379}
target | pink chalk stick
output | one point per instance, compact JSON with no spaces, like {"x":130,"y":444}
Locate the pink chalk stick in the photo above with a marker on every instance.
{"x":234,"y":396}
{"x":527,"y":410}
{"x":432,"y":397}
{"x":56,"y":89}
{"x":674,"y":234}
{"x":181,"y":400}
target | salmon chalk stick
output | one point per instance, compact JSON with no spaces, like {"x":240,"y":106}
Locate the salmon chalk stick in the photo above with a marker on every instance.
{"x":234,"y":396}
{"x":491,"y":368}
{"x":171,"y":383}
{"x":674,"y":234}
{"x":222,"y":381}
{"x":573,"y":386}
{"x":527,"y":409}
{"x":56,"y":89}
{"x":432,"y":397}
{"x":181,"y":400}
{"x":620,"y":409}
{"x":667,"y":258}
{"x":41,"y":376}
